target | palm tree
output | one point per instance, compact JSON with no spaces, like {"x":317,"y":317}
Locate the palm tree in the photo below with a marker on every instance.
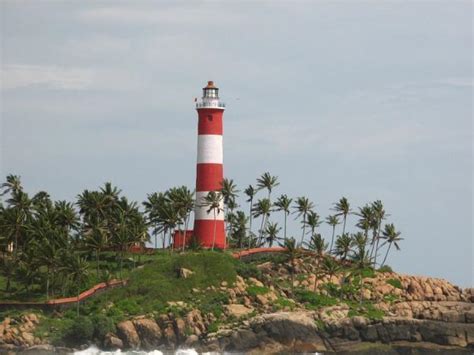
{"x":13,"y":185}
{"x":317,"y":244}
{"x":250,"y":191}
{"x":391,"y":236}
{"x":379,"y":216}
{"x":312,"y":221}
{"x":66,"y":216}
{"x":262,"y":208}
{"x":183,"y":201}
{"x":77,"y":270}
{"x":267,"y":181}
{"x":292,"y":253}
{"x":343,"y":208}
{"x":333,"y":221}
{"x":213,"y":201}
{"x":271,"y":233}
{"x":303,"y":206}
{"x":283,"y":203}
{"x":360,"y":262}
{"x":366,"y":220}
{"x":329,"y":266}
{"x":152,"y":205}
{"x":229,"y":193}
{"x":239,"y":227}
{"x":343,"y":246}
{"x":96,"y":237}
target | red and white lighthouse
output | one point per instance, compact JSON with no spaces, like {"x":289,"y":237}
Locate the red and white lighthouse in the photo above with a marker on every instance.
{"x":209,"y":172}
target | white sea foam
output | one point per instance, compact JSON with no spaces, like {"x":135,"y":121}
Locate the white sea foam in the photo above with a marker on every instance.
{"x":93,"y":350}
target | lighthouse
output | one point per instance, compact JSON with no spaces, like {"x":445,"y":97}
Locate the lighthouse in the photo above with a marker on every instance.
{"x":209,"y":169}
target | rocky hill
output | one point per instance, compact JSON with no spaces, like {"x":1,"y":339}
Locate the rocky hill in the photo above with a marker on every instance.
{"x":261,"y":311}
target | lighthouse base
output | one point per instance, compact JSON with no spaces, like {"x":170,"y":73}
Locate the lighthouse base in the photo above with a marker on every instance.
{"x":204,"y":233}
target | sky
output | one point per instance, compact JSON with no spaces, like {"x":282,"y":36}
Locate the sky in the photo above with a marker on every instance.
{"x":364,"y":99}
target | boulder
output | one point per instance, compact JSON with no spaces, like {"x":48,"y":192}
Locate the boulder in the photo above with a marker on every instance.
{"x":128,"y":334}
{"x":237,"y":310}
{"x":255,"y":282}
{"x":111,"y":342}
{"x":185,"y":273}
{"x":149,"y":333}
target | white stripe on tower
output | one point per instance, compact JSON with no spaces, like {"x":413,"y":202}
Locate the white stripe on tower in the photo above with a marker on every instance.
{"x":210,"y":149}
{"x":201,"y":210}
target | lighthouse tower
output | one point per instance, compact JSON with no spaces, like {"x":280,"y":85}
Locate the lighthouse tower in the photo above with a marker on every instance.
{"x":209,"y":173}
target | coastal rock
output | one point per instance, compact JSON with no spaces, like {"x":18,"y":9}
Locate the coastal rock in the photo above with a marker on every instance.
{"x":149,"y":333}
{"x":111,"y":342}
{"x":128,"y":334}
{"x":237,"y":310}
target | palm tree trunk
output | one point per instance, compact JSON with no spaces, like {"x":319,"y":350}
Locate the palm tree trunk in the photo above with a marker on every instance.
{"x":285,"y":224}
{"x":215,"y":227}
{"x":376,"y":251}
{"x":185,"y":231}
{"x":304,"y":229}
{"x":344,"y":226}
{"x":332,"y":238}
{"x":386,"y":254}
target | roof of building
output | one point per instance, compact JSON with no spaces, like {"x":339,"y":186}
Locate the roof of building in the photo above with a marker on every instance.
{"x":210,"y":85}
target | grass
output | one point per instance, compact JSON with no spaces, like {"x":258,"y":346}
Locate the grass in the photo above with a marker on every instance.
{"x":149,"y":290}
{"x":313,"y":300}
{"x":395,"y":283}
{"x":257,"y":290}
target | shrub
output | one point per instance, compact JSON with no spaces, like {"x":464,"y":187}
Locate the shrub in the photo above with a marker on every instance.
{"x":102,"y":326}
{"x":385,"y":268}
{"x":247,"y":270}
{"x":257,"y":290}
{"x":80,"y":331}
{"x":282,"y":303}
{"x":395,"y":283}
{"x":313,"y":300}
{"x":213,"y":327}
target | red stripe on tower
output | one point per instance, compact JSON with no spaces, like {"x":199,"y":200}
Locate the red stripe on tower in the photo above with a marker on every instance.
{"x":209,"y":171}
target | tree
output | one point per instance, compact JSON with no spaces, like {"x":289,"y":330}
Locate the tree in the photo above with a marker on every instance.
{"x":12,"y":185}
{"x":262,"y":208}
{"x":379,"y":216}
{"x":96,"y":237}
{"x":250,"y":191}
{"x":269,"y":182}
{"x":283,"y":203}
{"x":239,"y":227}
{"x":366,"y":220}
{"x":317,"y":244}
{"x":303,"y":206}
{"x":329,"y":267}
{"x":312,"y":221}
{"x":271,"y":233}
{"x":360,"y":262}
{"x":153,"y":205}
{"x":292,"y":253}
{"x":77,"y":270}
{"x":343,"y":209}
{"x":333,"y":221}
{"x":229,"y":194}
{"x":213,"y":201}
{"x":343,"y":246}
{"x":391,"y":236}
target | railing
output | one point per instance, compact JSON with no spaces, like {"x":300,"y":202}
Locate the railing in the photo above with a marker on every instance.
{"x":215,"y":104}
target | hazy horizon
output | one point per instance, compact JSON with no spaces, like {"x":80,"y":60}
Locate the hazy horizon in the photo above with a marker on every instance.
{"x":366,"y":100}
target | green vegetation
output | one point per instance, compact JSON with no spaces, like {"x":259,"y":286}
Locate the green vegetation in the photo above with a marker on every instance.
{"x":257,"y":290}
{"x":365,"y":309}
{"x":313,"y":300}
{"x":395,"y":283}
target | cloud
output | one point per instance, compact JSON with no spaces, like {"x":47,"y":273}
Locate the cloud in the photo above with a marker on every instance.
{"x":21,"y":76}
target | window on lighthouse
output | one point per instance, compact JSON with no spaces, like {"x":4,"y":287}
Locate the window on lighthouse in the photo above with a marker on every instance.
{"x":211,"y":93}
